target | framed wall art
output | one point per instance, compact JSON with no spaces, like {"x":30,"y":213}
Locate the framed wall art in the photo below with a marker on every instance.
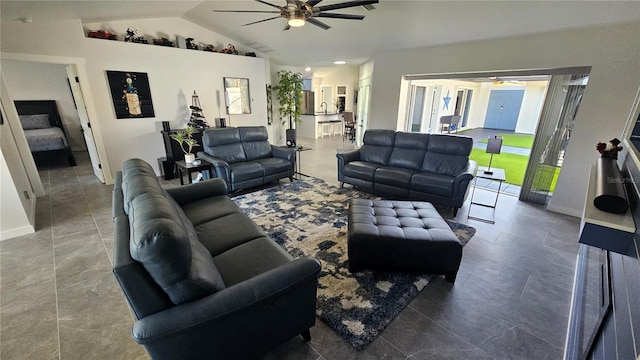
{"x":131,"y":94}
{"x":236,"y":95}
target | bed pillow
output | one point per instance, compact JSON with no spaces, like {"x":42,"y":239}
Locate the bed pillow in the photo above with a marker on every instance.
{"x":37,"y":121}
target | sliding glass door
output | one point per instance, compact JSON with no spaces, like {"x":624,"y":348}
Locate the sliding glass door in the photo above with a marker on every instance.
{"x":552,"y":136}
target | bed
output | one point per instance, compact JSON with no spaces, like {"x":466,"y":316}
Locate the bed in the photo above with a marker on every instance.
{"x":43,"y":128}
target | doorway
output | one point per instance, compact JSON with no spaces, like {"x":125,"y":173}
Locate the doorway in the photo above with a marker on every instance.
{"x":518,"y":102}
{"x":58,"y":79}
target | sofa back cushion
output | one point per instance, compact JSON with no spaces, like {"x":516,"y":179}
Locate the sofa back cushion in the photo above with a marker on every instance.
{"x":255,"y":142}
{"x":377,"y":146}
{"x":138,"y":178}
{"x":447,"y":154}
{"x":408,"y":150}
{"x":224,"y":144}
{"x":169,"y":249}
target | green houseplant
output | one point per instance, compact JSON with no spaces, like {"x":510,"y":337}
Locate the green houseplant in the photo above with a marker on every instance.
{"x":185,"y":137}
{"x":289,"y":93}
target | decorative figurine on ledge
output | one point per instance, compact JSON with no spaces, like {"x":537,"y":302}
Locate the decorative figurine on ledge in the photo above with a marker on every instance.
{"x":101,"y":34}
{"x":251,"y":54}
{"x":190,"y":44}
{"x":230,"y":50}
{"x":163,"y":42}
{"x":609,"y":150}
{"x":132,"y":36}
{"x":210,"y":48}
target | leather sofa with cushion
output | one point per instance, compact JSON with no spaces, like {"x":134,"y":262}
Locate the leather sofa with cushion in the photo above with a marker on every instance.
{"x":411,"y":166}
{"x":202,"y":279}
{"x":243,"y":157}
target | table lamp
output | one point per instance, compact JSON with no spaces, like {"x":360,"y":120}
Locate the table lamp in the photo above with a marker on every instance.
{"x":494,"y":144}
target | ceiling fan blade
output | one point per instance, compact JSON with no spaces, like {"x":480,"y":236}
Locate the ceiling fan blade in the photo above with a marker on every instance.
{"x":266,"y":3}
{"x":259,"y":21}
{"x":286,"y":27}
{"x":347,"y":4}
{"x":248,"y":11}
{"x":313,"y":3}
{"x":340,"y":16}
{"x":318,"y":23}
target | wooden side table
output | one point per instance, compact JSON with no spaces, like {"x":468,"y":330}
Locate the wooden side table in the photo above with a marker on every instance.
{"x":190,"y":168}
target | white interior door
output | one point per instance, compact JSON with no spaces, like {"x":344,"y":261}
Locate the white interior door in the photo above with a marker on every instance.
{"x":363,"y":113}
{"x":76,"y":90}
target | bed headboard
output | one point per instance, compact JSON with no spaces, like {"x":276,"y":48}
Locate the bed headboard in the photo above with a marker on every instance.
{"x":32,"y":107}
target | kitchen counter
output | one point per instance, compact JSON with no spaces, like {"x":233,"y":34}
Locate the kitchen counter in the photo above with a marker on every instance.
{"x":311,"y":125}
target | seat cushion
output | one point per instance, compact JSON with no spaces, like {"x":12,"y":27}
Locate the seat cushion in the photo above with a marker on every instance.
{"x":394,"y":176}
{"x":248,"y":170}
{"x":211,"y":208}
{"x":250,"y":259}
{"x":432,"y":183}
{"x":274,"y":165}
{"x":224,"y":233}
{"x":169,"y":251}
{"x":360,"y":170}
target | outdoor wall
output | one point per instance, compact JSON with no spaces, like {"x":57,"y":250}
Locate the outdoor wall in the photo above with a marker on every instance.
{"x":173,"y":73}
{"x":611,"y":51}
{"x":39,"y":81}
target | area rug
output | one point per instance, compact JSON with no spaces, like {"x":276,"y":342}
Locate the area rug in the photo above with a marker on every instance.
{"x":310,"y":218}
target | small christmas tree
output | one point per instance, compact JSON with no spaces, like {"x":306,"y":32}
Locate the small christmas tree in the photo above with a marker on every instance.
{"x":197,"y":120}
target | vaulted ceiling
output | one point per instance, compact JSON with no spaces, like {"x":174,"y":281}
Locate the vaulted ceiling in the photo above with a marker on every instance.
{"x":392,"y":25}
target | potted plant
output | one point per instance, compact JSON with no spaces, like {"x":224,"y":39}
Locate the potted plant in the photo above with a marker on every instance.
{"x":186,"y":137}
{"x":289,"y":93}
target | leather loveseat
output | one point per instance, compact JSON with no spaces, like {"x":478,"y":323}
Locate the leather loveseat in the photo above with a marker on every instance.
{"x":411,"y":166}
{"x":202,"y":280}
{"x":243,"y":157}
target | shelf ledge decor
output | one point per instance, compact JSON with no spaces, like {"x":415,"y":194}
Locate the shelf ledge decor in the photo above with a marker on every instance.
{"x":610,"y":195}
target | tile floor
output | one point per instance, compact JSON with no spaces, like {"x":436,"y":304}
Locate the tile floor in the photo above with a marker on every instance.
{"x":59,"y":300}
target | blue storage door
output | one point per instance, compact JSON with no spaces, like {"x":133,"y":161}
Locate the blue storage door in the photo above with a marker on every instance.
{"x":503,"y":109}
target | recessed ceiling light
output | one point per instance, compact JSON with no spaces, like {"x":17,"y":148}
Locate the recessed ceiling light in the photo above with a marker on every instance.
{"x":339,"y":62}
{"x":307,"y":69}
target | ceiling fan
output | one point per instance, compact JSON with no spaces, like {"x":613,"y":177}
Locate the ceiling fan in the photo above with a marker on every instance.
{"x":298,"y":13}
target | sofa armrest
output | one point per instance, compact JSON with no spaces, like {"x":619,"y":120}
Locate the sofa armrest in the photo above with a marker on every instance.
{"x":283,"y":152}
{"x":221,"y":168}
{"x":461,"y":182}
{"x":203,"y":317}
{"x":198,"y":191}
{"x":344,"y":159}
{"x":348,"y":157}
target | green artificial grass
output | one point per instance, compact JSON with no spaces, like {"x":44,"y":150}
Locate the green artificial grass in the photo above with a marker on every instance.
{"x":514,"y":165}
{"x":515,"y":140}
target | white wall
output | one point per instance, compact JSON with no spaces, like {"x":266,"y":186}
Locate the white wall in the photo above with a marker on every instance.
{"x":611,"y":51}
{"x":531,"y":108}
{"x":39,"y":81}
{"x":17,"y":197}
{"x":173,"y":76}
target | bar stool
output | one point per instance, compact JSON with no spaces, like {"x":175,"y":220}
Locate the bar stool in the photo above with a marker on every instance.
{"x":325,"y":128}
{"x":337,"y":127}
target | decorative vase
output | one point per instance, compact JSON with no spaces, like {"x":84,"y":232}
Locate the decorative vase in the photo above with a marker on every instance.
{"x":189,"y":158}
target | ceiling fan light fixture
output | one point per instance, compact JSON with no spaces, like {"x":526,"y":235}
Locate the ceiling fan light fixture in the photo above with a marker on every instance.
{"x":296,"y":22}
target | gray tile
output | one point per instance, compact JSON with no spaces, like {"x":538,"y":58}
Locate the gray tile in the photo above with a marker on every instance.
{"x":332,"y":347}
{"x":294,"y":349}
{"x":413,"y":333}
{"x":516,"y":344}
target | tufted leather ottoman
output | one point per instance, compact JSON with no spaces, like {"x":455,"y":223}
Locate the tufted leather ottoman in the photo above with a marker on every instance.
{"x":401,"y":236}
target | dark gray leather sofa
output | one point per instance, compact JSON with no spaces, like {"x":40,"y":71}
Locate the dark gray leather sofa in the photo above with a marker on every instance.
{"x":203,"y":281}
{"x":411,"y":166}
{"x":243,"y":157}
